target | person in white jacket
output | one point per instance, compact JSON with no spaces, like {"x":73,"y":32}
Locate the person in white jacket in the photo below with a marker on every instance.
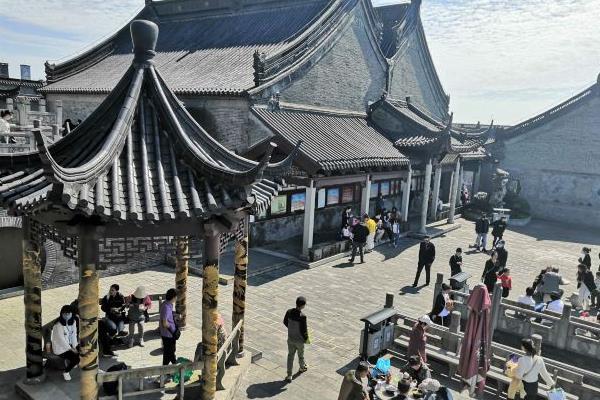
{"x":529,"y":368}
{"x":65,"y":340}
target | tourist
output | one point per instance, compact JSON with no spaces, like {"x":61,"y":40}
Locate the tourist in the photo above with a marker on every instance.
{"x":403,"y":390}
{"x":482,"y":227}
{"x":556,"y":303}
{"x":379,"y":204}
{"x":395,"y":232}
{"x":490,"y":272}
{"x":527,"y":298}
{"x":585,"y":258}
{"x":586,"y":285}
{"x":418,"y":338}
{"x":169,"y":332}
{"x":104,"y":339}
{"x":372,"y":227}
{"x":416,"y":369}
{"x":596,"y":294}
{"x":113,"y":305}
{"x":65,"y":340}
{"x":388,"y":220}
{"x":506,"y":281}
{"x":456,"y":262}
{"x":502,"y":253}
{"x":360,"y":233}
{"x":433,"y":390}
{"x":295,"y":321}
{"x":137,"y":304}
{"x":5,"y":116}
{"x":440,"y":313}
{"x":529,"y":368}
{"x":379,"y":231}
{"x":347,"y":233}
{"x":426,"y":258}
{"x":551,"y":282}
{"x":353,"y":387}
{"x":347,"y":216}
{"x":498,"y":228}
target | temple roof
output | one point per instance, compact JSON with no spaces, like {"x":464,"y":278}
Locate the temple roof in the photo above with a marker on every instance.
{"x":390,"y":16}
{"x":140,"y":156}
{"x":332,"y":140}
{"x":205,"y":47}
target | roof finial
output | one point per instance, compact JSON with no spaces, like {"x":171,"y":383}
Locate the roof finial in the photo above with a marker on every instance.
{"x":144,"y":35}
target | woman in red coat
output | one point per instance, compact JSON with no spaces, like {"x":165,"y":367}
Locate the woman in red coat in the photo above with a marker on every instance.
{"x":418,"y":338}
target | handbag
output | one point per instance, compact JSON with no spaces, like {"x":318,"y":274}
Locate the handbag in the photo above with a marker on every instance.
{"x":556,"y":394}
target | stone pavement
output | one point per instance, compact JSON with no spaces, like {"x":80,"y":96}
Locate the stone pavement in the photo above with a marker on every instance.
{"x":338,"y":295}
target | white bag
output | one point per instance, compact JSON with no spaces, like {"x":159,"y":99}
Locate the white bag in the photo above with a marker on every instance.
{"x":556,"y":394}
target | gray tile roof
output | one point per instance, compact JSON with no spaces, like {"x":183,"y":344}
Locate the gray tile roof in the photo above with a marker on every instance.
{"x":197,"y":53}
{"x":334,"y":140}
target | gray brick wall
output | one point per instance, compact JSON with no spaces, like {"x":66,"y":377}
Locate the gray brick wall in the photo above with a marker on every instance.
{"x":347,"y":77}
{"x":410,"y":79}
{"x":559,"y":167}
{"x":76,"y":106}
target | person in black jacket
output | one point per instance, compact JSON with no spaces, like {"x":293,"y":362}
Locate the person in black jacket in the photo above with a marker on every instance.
{"x":490,"y":272}
{"x":586,"y":285}
{"x":585,"y":258}
{"x":502,"y":254}
{"x":113,"y":304}
{"x":482,"y":227}
{"x":295,"y":322}
{"x":456,"y":262}
{"x":426,"y":258}
{"x":499,"y":226}
{"x":360,"y":232}
{"x":347,"y":216}
{"x":440,"y":313}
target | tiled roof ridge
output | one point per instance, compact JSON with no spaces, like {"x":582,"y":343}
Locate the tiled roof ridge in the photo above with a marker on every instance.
{"x":21,"y":82}
{"x":284,"y":106}
{"x":553,"y":112}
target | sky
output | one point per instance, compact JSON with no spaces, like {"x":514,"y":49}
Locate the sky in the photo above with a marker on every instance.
{"x":506,"y":60}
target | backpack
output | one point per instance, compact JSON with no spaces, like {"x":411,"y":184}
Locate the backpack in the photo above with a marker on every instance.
{"x":110,"y":388}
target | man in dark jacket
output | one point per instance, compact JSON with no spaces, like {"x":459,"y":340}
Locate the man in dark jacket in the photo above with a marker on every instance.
{"x":295,"y":321}
{"x":359,"y":240}
{"x":482,"y":227}
{"x":113,"y":304}
{"x":456,"y":262}
{"x":499,"y":226}
{"x":426,"y":258}
{"x":502,"y":254}
{"x":353,"y":386}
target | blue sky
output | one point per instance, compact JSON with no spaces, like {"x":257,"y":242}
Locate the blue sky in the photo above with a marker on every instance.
{"x":501,"y":59}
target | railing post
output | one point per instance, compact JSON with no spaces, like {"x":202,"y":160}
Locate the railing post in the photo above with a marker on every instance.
{"x":120,"y":388}
{"x":453,"y":331}
{"x":537,"y":343}
{"x":389,"y":300}
{"x":181,"y":383}
{"x":562,"y":328}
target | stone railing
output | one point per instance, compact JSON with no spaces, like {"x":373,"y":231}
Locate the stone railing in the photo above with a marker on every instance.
{"x":21,"y":139}
{"x":561,"y":331}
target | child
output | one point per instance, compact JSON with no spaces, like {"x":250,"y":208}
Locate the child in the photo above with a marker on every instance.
{"x":395,"y":232}
{"x":506,"y":280}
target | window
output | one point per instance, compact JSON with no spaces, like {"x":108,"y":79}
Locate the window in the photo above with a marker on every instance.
{"x":279,"y":205}
{"x":384,"y":188}
{"x":298,"y":201}
{"x":374,"y":190}
{"x":348,"y":194}
{"x":333,"y":196}
{"x":321,"y":198}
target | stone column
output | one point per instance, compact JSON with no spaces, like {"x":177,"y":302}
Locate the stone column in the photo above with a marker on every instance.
{"x":437,"y":180}
{"x":365,"y":197}
{"x":87,"y":260}
{"x":10,"y":104}
{"x":32,"y":283}
{"x":182,"y":260}
{"x":42,"y":105}
{"x":461,"y":176}
{"x":476,"y":178}
{"x":425,"y":201}
{"x":240,"y":281}
{"x":23,"y":110}
{"x":453,"y":192}
{"x":406,"y":195}
{"x":210,"y":294}
{"x":59,"y":112}
{"x":309,"y":218}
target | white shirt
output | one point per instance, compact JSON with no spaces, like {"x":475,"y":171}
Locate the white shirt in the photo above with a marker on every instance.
{"x":527,"y":300}
{"x":63,"y":337}
{"x":395,"y":227}
{"x":529,"y":369}
{"x":556,"y":306}
{"x":445,"y":311}
{"x":4,"y":126}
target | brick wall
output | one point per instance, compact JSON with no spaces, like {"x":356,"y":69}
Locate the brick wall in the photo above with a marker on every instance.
{"x":75,"y":106}
{"x":348,"y":76}
{"x":559,"y":167}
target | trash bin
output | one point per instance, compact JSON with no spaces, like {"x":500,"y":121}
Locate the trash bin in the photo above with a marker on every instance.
{"x":378,"y":333}
{"x":459,"y":282}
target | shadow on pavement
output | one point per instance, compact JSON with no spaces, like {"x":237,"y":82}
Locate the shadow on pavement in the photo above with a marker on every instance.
{"x":7,"y":383}
{"x":266,"y":389}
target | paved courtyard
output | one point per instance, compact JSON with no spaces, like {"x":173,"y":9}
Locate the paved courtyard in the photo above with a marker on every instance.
{"x":338,"y":295}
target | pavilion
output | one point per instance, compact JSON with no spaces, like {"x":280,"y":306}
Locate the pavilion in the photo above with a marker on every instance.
{"x":139,"y":167}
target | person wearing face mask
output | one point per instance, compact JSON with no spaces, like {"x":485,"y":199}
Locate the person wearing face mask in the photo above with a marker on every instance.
{"x":65,"y":340}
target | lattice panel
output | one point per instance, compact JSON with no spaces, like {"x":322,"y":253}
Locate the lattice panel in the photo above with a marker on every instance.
{"x":40,"y":232}
{"x":238,"y":234}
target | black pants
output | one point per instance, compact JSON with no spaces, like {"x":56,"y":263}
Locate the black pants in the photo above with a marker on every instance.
{"x":169,"y":347}
{"x":427,"y":273}
{"x":359,"y":247}
{"x":104,"y":340}
{"x":72,"y":359}
{"x":531,"y":390}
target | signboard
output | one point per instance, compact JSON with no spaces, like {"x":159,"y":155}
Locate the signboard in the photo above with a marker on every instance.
{"x":298,"y":200}
{"x":321,"y":198}
{"x":279,"y":205}
{"x":333,"y":196}
{"x":348,"y":194}
{"x":384,"y":188}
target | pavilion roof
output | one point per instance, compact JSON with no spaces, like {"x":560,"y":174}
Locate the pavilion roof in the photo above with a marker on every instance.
{"x":139,"y":156}
{"x":333,"y":141}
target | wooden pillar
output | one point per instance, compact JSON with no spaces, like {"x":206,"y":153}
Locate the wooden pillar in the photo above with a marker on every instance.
{"x":87,"y":260}
{"x":182,"y":260}
{"x":406,"y":195}
{"x":454,"y":192}
{"x":32,"y":282}
{"x":437,"y":180}
{"x":240,"y":281}
{"x":309,"y":219}
{"x":425,"y":201}
{"x":210,"y":293}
